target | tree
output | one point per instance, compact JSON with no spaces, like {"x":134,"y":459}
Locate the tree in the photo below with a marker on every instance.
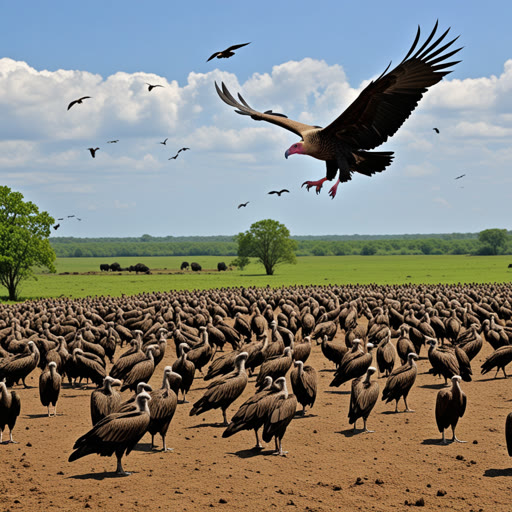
{"x":24,"y":233}
{"x":241,"y":262}
{"x":493,"y":238}
{"x":270,"y":242}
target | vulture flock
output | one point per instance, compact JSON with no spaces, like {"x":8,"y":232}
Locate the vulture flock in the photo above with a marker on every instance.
{"x":228,"y":341}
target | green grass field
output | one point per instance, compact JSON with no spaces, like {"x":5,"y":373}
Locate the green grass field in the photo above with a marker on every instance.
{"x":309,"y":270}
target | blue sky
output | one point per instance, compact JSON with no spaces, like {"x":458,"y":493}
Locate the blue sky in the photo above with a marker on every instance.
{"x":307,"y":60}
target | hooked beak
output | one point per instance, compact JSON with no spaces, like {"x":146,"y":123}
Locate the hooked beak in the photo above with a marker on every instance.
{"x":287,"y":154}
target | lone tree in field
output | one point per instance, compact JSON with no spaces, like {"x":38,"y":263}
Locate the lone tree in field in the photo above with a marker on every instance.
{"x":270,"y":242}
{"x":493,"y":238}
{"x":24,"y":233}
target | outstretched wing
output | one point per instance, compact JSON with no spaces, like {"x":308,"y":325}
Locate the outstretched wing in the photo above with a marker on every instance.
{"x":385,"y":104}
{"x":235,"y":47}
{"x":244,"y":109}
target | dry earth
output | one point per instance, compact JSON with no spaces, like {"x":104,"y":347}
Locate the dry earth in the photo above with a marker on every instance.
{"x":328,"y":468}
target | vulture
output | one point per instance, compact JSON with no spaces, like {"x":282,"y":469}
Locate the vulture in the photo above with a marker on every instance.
{"x":49,"y":387}
{"x":304,"y":384}
{"x":14,"y":368}
{"x":279,"y":416}
{"x":93,"y":153}
{"x":353,"y":365}
{"x":105,"y":400}
{"x":450,"y":406}
{"x":400,"y":382}
{"x":498,"y":359}
{"x":276,"y":367}
{"x":117,"y":433}
{"x":163,"y":406}
{"x":228,"y":52}
{"x":141,"y":371}
{"x":221,"y":393}
{"x":363,"y":397}
{"x":186,"y":369}
{"x":374,"y":116}
{"x":252,"y":413}
{"x":78,"y":101}
{"x":10,"y":406}
{"x":508,"y":433}
{"x":151,"y":87}
{"x":279,"y":192}
{"x":386,"y":355}
{"x":242,"y":204}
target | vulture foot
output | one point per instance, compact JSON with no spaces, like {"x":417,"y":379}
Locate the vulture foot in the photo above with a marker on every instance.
{"x":334,"y":189}
{"x":317,"y":184}
{"x":455,"y":440}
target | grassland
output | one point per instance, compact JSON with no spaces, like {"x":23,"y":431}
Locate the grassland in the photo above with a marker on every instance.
{"x":88,"y":281}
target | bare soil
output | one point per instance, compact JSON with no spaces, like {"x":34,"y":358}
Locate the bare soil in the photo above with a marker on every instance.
{"x":327,"y":468}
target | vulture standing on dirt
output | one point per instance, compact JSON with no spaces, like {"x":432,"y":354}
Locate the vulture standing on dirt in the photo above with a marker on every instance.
{"x":140,"y":372}
{"x":275,"y":367}
{"x":400,"y":382}
{"x":10,"y":406}
{"x":304,"y":384}
{"x":353,"y":365}
{"x":376,"y":114}
{"x":14,"y":368}
{"x":186,"y":369}
{"x":498,"y":359}
{"x":252,"y":413}
{"x":49,"y":387}
{"x":105,"y":400}
{"x":280,"y":415}
{"x":163,"y":406}
{"x":222,"y":392}
{"x":118,"y":433}
{"x":363,"y":397}
{"x":450,"y":406}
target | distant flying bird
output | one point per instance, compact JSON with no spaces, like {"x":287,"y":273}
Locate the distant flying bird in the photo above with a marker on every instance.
{"x":61,"y":218}
{"x":174,"y":157}
{"x":112,"y":141}
{"x":79,"y":101}
{"x":151,"y":87}
{"x":93,"y":151}
{"x":228,"y":52}
{"x":182,"y":149}
{"x":279,"y":192}
{"x":243,"y":204}
{"x":374,"y":116}
{"x":436,"y":130}
{"x":57,"y":226}
{"x":70,"y":216}
{"x":459,"y":177}
{"x":164,"y":142}
{"x":78,"y":219}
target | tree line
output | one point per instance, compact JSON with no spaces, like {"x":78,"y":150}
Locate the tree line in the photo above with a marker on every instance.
{"x":306,"y":246}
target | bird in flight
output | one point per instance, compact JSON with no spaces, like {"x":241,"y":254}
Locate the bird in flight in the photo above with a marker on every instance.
{"x":79,"y":101}
{"x":174,"y":157}
{"x":78,"y":219}
{"x":112,"y":141}
{"x":93,"y":151}
{"x":228,"y":52}
{"x":151,"y":87}
{"x":243,"y":204}
{"x":436,"y":130}
{"x":71,"y":216}
{"x":165,"y":141}
{"x":57,"y":226}
{"x":459,"y":177}
{"x":375,"y":115}
{"x":279,"y":192}
{"x":182,"y":149}
{"x":62,"y":218}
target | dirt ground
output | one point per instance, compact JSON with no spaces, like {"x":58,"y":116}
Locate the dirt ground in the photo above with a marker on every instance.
{"x":328,"y":468}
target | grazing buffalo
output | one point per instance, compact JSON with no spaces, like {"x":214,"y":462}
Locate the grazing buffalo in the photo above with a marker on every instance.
{"x":140,"y":267}
{"x":510,"y":265}
{"x":104,"y":267}
{"x":115,"y":267}
{"x":195,"y":267}
{"x":184,"y":265}
{"x":221,"y":266}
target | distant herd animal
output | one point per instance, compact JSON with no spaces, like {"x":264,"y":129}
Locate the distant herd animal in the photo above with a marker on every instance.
{"x":140,"y":267}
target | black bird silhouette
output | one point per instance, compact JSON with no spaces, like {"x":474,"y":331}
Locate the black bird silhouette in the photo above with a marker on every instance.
{"x":93,"y":151}
{"x":279,"y":192}
{"x":57,"y":226}
{"x":70,"y":216}
{"x":151,"y":87}
{"x":165,"y":141}
{"x":112,"y":141}
{"x":182,"y":149}
{"x":62,"y":218}
{"x":243,"y":204}
{"x":436,"y":130}
{"x":174,"y":157}
{"x":228,"y":52}
{"x":78,"y":219}
{"x":79,"y":101}
{"x":459,"y":177}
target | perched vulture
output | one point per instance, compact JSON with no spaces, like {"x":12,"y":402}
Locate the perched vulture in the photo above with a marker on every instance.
{"x":10,"y":407}
{"x":450,"y":406}
{"x":376,"y":114}
{"x":49,"y":387}
{"x":363,"y":397}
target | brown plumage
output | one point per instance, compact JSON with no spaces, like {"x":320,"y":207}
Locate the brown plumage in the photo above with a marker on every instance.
{"x":279,"y":416}
{"x":400,"y":382}
{"x":404,"y":346}
{"x":105,"y":400}
{"x":222,"y":392}
{"x":386,"y":354}
{"x":140,"y":372}
{"x":363,"y":397}
{"x":304,"y":382}
{"x":353,"y":365}
{"x":117,"y":433}
{"x":450,"y":406}
{"x":333,"y":351}
{"x":498,"y":359}
{"x":10,"y":407}
{"x":376,"y":114}
{"x":87,"y":366}
{"x":302,"y":350}
{"x":186,"y":369}
{"x":449,"y":362}
{"x":49,"y":387}
{"x":275,"y":368}
{"x":18,"y":367}
{"x":163,"y":406}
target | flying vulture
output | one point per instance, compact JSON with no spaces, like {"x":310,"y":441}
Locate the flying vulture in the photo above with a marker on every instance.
{"x":228,"y":52}
{"x":93,"y":151}
{"x":459,"y":177}
{"x":279,"y":192}
{"x":79,"y":101}
{"x":376,"y":114}
{"x":165,"y":141}
{"x":436,"y":130}
{"x":243,"y":204}
{"x":112,"y":141}
{"x":57,"y":226}
{"x":151,"y":87}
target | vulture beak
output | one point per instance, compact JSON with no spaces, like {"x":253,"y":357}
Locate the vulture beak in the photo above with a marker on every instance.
{"x":287,"y":154}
